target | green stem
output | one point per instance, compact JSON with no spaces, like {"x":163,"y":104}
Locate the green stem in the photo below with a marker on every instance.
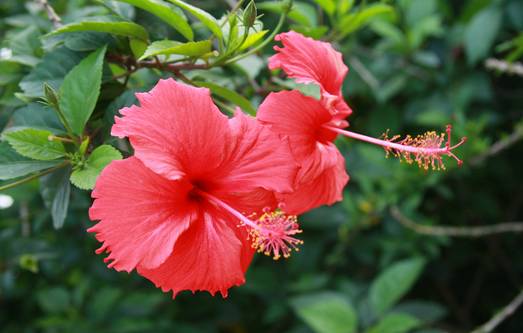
{"x":266,"y":41}
{"x":36,"y":175}
{"x":503,"y":314}
{"x":223,"y":58}
{"x":454,"y":231}
{"x":59,"y":138}
{"x":65,"y":123}
{"x":233,"y":10}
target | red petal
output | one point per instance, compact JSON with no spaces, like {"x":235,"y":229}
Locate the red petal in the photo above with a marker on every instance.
{"x":326,"y":189}
{"x":176,"y":131}
{"x":141,"y":214}
{"x":207,"y":257}
{"x":257,"y":158}
{"x":301,"y":119}
{"x":251,"y":202}
{"x":310,"y":61}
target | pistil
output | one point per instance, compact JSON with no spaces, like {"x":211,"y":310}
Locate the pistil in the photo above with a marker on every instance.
{"x":271,"y":234}
{"x":426,"y":149}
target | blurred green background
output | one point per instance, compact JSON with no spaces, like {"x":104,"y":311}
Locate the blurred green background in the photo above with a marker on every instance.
{"x":415,"y":65}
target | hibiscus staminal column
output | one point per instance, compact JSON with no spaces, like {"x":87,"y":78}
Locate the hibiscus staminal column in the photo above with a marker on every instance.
{"x":426,"y":149}
{"x":271,"y":234}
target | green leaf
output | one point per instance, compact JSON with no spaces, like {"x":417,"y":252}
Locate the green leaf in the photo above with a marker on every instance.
{"x":207,"y":19}
{"x":36,"y":115}
{"x":427,"y":312}
{"x":395,"y":323}
{"x":329,"y":6}
{"x":9,"y":72}
{"x":52,"y":70}
{"x":87,"y":41}
{"x":301,"y":13}
{"x":481,"y":32}
{"x":344,"y":6}
{"x":252,"y":39}
{"x":55,"y":190}
{"x":85,"y":176}
{"x":229,"y":95}
{"x":190,"y":49}
{"x":393,"y":283}
{"x":80,"y":89}
{"x":354,"y":21}
{"x":13,"y":165}
{"x":35,"y":144}
{"x":326,"y":312}
{"x":128,"y":29}
{"x":166,"y":14}
{"x":54,"y":300}
{"x":138,"y":47}
{"x":24,"y":46}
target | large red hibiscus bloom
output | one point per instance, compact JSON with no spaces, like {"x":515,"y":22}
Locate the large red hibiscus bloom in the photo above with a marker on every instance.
{"x":188,"y":208}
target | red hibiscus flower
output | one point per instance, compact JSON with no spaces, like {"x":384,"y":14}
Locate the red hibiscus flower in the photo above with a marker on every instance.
{"x":312,"y":125}
{"x":322,"y":175}
{"x":303,"y":119}
{"x":196,"y":200}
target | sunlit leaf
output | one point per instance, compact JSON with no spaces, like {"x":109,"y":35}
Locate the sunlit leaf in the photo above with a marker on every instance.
{"x":329,"y":6}
{"x":166,"y":47}
{"x":252,"y":39}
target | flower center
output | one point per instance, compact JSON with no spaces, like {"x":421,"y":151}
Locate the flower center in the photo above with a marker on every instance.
{"x":271,"y":234}
{"x":198,"y":187}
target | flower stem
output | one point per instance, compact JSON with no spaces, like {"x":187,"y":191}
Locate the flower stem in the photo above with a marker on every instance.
{"x":59,"y":138}
{"x":34,"y":176}
{"x":267,"y":40}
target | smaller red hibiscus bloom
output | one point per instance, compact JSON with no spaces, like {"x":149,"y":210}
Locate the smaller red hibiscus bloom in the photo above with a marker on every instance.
{"x":310,"y":61}
{"x":322,"y":175}
{"x":302,"y":119}
{"x":312,"y":125}
{"x":182,"y":210}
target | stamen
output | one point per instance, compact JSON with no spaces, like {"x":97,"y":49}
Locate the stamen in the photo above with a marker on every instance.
{"x":271,"y":234}
{"x":274,"y":235}
{"x":426,"y":149}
